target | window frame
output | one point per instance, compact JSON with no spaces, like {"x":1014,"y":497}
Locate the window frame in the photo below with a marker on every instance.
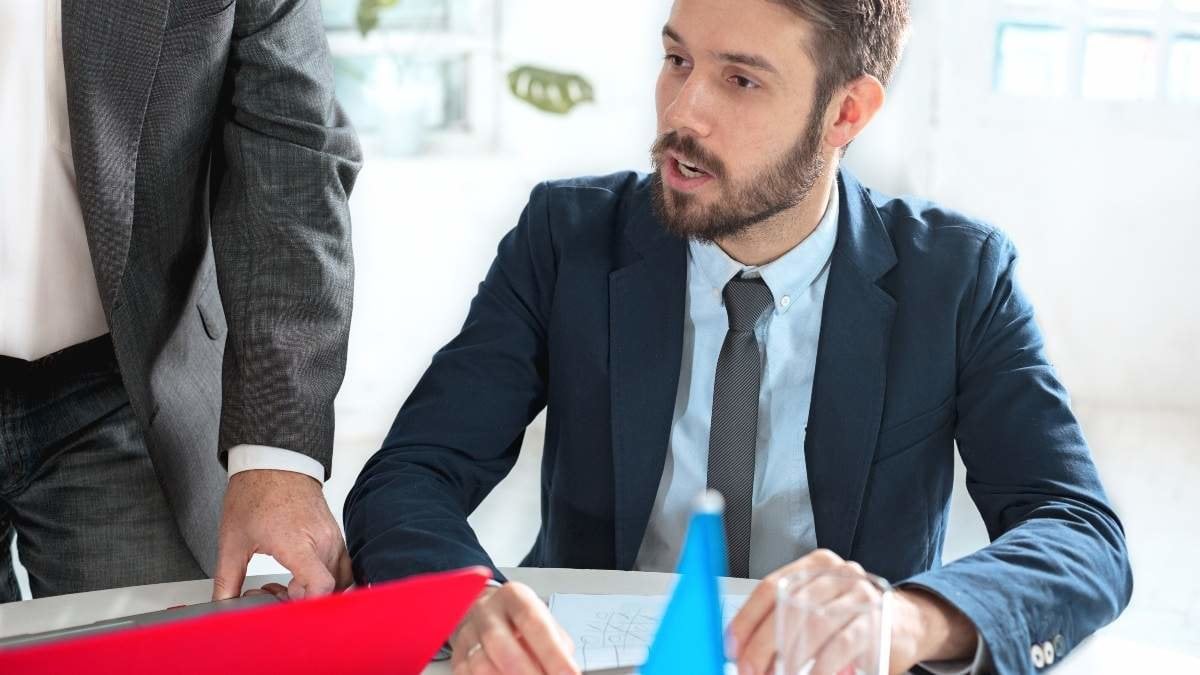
{"x":967,"y":81}
{"x":472,"y":32}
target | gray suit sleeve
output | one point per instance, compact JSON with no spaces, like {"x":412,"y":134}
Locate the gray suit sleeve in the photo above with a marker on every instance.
{"x":281,"y":231}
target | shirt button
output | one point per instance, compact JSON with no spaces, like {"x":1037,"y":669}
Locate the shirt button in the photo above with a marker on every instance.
{"x":785,"y":301}
{"x":1039,"y":659}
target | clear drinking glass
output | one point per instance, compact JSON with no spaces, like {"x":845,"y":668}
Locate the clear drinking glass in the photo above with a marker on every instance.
{"x":832,"y":623}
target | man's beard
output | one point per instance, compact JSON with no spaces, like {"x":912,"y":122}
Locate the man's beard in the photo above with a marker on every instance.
{"x":740,"y":206}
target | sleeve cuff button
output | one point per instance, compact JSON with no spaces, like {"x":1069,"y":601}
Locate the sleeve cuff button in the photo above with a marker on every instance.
{"x":1048,"y":653}
{"x":1039,"y":658}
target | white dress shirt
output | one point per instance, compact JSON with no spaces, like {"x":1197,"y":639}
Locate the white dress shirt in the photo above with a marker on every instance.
{"x":48,"y":294}
{"x":49,"y":299}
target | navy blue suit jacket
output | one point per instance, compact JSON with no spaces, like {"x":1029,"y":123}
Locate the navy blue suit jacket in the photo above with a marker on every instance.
{"x":925,"y":340}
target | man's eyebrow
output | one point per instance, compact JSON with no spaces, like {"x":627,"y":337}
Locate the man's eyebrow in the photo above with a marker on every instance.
{"x":741,"y":58}
{"x":749,"y":60}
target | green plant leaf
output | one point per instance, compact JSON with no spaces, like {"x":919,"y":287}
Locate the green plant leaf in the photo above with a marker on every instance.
{"x":368,"y":13}
{"x":548,"y":90}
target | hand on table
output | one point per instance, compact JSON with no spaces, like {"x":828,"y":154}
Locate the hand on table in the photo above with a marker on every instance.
{"x":278,"y":590}
{"x":282,"y":514}
{"x":924,"y":627}
{"x":510,"y":631}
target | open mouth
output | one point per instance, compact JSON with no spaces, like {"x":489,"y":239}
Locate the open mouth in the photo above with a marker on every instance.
{"x":685,"y":176}
{"x":690,"y":170}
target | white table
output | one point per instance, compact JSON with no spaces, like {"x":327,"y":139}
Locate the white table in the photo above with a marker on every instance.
{"x":1100,"y":655}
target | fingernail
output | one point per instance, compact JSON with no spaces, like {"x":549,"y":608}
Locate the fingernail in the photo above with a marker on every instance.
{"x":745,"y":669}
{"x":731,"y":646}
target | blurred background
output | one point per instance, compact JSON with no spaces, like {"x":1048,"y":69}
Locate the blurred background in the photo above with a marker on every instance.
{"x":1071,"y":124}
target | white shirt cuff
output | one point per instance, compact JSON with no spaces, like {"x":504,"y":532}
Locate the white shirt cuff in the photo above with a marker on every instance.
{"x":961,"y":667}
{"x":250,"y":457}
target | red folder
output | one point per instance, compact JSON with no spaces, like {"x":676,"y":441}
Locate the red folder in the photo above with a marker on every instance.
{"x":393,"y":628}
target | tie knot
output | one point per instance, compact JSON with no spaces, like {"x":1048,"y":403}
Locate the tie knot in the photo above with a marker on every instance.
{"x":745,"y":301}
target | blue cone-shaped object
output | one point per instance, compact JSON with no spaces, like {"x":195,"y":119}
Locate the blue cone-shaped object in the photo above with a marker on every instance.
{"x":690,"y":637}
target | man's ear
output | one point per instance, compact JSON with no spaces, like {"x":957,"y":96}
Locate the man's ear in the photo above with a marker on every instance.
{"x":853,"y":108}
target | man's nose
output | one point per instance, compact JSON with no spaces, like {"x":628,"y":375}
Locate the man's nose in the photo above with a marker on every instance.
{"x":688,"y":112}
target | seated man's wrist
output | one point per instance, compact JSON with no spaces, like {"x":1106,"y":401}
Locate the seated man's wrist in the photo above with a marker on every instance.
{"x":930,"y":629}
{"x":491,"y":587}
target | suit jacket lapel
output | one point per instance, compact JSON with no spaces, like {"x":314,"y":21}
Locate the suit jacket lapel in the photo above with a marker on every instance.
{"x":851,"y":371}
{"x":646,"y":306}
{"x":110,"y":52}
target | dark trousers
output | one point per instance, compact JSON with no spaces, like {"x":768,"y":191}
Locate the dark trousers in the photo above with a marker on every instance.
{"x":77,"y":488}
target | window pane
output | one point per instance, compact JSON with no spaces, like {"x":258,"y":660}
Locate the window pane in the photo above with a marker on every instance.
{"x":1183,"y":83}
{"x":411,"y":14}
{"x":1119,"y":65}
{"x":399,"y":98}
{"x":1127,"y":4}
{"x":1188,"y":5}
{"x":1031,"y":60}
{"x":338,"y":13}
{"x":1036,"y":3}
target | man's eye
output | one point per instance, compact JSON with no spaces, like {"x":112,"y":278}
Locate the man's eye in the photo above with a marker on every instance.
{"x":676,"y":60}
{"x":743,"y":82}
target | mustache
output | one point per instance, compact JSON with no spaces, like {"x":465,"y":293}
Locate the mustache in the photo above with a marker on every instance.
{"x":688,"y":147}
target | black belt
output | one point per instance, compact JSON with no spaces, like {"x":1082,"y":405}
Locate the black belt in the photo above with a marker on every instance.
{"x":94,"y":354}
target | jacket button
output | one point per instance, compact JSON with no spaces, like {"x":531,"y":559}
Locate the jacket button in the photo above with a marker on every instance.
{"x":1039,"y":658}
{"x":1060,"y":646}
{"x":1048,"y":653}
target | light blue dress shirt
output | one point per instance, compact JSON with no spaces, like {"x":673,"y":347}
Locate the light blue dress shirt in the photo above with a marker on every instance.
{"x":782,"y":529}
{"x":782,"y":525}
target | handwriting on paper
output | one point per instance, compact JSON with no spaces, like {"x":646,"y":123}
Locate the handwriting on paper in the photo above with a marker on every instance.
{"x":611,"y":631}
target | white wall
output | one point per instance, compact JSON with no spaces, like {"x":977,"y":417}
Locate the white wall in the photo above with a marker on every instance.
{"x":1102,"y":200}
{"x":616,"y":45}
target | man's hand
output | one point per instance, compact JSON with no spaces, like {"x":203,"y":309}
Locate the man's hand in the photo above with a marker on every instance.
{"x":924,"y":627}
{"x":509,"y":631}
{"x":282,"y":514}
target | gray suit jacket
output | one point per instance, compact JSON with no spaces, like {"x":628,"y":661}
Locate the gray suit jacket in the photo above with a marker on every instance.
{"x":213,"y":168}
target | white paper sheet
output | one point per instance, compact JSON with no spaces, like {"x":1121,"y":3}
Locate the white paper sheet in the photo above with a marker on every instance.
{"x":611,"y":631}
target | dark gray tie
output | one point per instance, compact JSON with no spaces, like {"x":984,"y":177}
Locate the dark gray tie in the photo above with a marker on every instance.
{"x":734,"y":434}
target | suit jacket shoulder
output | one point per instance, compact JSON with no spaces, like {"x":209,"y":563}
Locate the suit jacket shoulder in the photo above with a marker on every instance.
{"x":591,"y":205}
{"x":925,"y":232}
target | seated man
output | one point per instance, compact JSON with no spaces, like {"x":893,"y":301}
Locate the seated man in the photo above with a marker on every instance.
{"x":752,"y":319}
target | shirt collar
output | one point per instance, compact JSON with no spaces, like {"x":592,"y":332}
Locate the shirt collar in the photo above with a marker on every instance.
{"x":786,"y":276}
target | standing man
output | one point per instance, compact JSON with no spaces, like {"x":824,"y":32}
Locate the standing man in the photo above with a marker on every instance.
{"x":175,"y":291}
{"x":752,"y":319}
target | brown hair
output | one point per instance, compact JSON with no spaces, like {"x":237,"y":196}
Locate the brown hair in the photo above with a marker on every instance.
{"x":852,"y":38}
